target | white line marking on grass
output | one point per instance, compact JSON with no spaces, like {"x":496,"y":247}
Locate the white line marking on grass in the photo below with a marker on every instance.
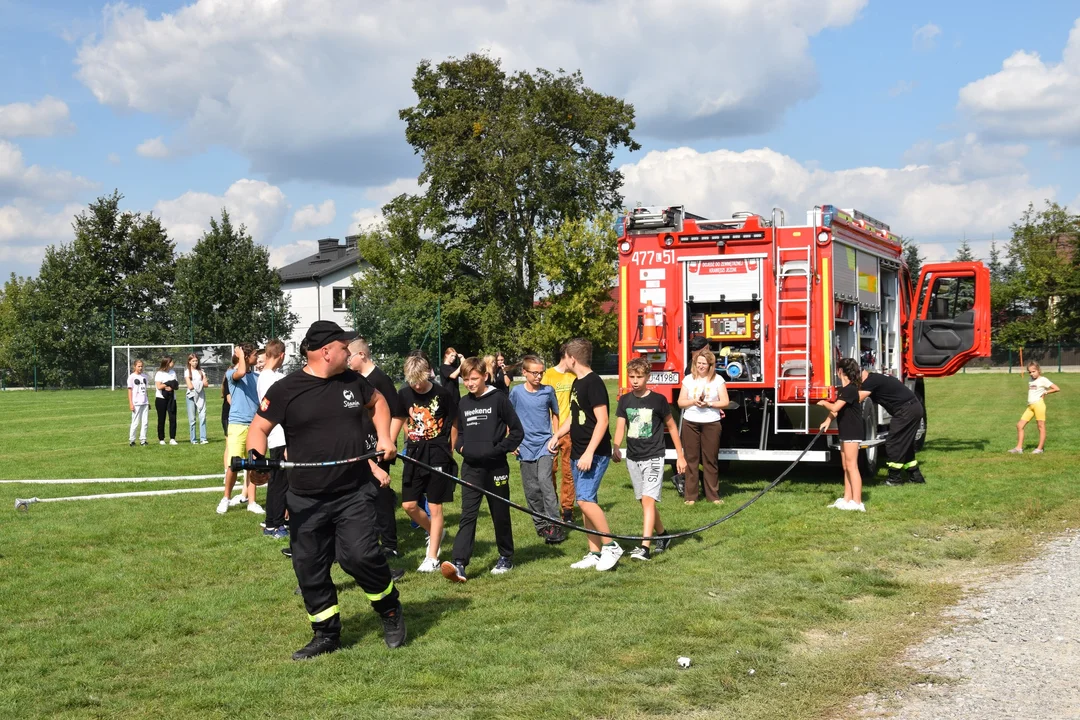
{"x":89,"y":481}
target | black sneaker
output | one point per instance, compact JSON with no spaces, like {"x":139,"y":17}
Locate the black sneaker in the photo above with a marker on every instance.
{"x":555,"y":535}
{"x":640,"y":553}
{"x":131,"y":444}
{"x":390,"y":552}
{"x":319,"y":645}
{"x":393,"y":625}
{"x":396,"y":574}
{"x":454,"y":572}
{"x":504,"y":565}
{"x":659,"y":546}
{"x":143,"y":442}
{"x":287,"y":551}
{"x":568,"y":515}
{"x":894,"y":479}
{"x":915,"y":476}
{"x":679,"y":481}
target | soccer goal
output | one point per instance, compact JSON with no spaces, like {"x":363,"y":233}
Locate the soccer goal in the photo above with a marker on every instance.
{"x":214,"y":360}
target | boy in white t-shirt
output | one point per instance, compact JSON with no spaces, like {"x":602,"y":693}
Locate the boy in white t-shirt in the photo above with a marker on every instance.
{"x":138,"y":403}
{"x":1038,"y":387}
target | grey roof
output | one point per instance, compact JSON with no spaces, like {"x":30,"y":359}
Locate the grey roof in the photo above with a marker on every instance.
{"x":332,"y":256}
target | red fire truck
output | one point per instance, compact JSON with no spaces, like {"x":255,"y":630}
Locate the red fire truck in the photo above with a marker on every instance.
{"x":779,"y":304}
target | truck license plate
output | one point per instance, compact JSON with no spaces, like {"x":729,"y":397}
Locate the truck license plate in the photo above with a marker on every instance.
{"x":664,"y":378}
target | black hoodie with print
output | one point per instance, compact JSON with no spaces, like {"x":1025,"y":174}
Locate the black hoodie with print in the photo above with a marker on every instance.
{"x":488,"y":428}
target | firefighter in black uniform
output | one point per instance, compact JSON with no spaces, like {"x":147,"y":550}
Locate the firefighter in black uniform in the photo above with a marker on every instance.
{"x":907,"y":413}
{"x":322,"y":408}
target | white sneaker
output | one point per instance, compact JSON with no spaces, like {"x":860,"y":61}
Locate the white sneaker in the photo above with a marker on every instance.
{"x":852,"y":505}
{"x":589,"y":561}
{"x":237,"y":500}
{"x":160,"y":442}
{"x":254,"y":507}
{"x":609,"y":556}
{"x":840,"y":503}
{"x":204,"y":442}
{"x":429,"y":565}
{"x":172,"y":442}
{"x":223,"y":506}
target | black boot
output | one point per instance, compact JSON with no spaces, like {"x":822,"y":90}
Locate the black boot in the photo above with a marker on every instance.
{"x":319,"y":645}
{"x":915,"y":476}
{"x":895,"y":477}
{"x":393,"y":627}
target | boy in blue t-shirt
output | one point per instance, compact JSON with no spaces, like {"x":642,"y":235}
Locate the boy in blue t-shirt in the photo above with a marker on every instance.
{"x":641,"y":418}
{"x":244,"y":397}
{"x":538,"y":410}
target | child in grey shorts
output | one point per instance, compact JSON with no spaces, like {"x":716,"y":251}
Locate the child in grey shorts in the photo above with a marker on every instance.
{"x":642,"y":416}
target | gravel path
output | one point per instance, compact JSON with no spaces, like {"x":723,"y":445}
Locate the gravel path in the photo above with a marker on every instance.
{"x":1013,"y":650}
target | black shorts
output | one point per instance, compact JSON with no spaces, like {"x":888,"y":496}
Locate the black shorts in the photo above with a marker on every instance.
{"x":416,"y":482}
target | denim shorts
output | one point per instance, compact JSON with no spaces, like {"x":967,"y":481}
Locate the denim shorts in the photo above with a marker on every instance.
{"x":587,"y":482}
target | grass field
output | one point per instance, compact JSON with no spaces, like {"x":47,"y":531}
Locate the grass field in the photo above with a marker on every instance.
{"x":160,"y":608}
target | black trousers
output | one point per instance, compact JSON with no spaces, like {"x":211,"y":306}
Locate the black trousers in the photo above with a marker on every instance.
{"x":166,"y":406}
{"x":275,"y":491}
{"x":900,"y":444}
{"x":385,"y":523}
{"x":343,"y":525}
{"x":497,"y":480}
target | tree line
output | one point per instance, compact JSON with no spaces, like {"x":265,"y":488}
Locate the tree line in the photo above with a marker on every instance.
{"x":120,"y":281}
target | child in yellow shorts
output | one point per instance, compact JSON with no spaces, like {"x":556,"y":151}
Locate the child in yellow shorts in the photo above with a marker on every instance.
{"x":1039,"y":387}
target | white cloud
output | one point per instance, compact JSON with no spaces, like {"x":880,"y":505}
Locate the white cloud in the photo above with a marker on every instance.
{"x":45,"y":118}
{"x":113,"y":159}
{"x":365,"y":219}
{"x":310,"y":216}
{"x":258,"y":205}
{"x":267,"y":78}
{"x":153,"y":148}
{"x":26,"y":229}
{"x":1030,"y":98}
{"x":284,"y":254}
{"x":925,"y":37}
{"x":961,"y":192}
{"x":34,"y":182}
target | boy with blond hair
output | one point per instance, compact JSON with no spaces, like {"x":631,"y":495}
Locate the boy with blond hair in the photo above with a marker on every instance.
{"x":430,"y":412}
{"x":642,"y":416}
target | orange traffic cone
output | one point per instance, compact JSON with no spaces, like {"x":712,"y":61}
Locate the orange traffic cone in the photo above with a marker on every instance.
{"x":649,"y":337}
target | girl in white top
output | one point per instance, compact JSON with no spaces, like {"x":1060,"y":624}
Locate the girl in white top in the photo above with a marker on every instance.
{"x":195,"y":379}
{"x":702,"y":399}
{"x":165,"y":399}
{"x":138,"y":402}
{"x":1038,"y":387}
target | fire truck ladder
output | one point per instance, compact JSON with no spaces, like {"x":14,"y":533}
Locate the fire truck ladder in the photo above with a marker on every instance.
{"x":793,"y":355}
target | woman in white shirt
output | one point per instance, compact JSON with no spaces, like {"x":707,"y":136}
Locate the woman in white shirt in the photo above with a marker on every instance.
{"x":195,"y":379}
{"x":702,"y":400}
{"x":165,"y":399}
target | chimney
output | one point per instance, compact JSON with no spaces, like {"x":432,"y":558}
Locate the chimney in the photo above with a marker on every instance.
{"x":328,"y":245}
{"x":350,"y":242}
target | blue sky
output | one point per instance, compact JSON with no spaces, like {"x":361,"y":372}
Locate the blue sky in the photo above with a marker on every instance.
{"x":943,"y":119}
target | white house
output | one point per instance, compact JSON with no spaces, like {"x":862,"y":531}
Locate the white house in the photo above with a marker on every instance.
{"x":319,"y":287}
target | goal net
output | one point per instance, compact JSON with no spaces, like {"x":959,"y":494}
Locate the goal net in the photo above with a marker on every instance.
{"x":214,"y":360}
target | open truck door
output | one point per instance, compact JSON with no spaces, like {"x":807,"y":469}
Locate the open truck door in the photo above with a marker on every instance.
{"x":950,"y":320}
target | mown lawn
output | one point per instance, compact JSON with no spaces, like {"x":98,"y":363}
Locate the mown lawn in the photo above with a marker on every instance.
{"x":159,"y":608}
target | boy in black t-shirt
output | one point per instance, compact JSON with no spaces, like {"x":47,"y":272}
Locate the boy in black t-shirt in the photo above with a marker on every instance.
{"x":642,"y":415}
{"x":487,"y":429}
{"x":430,"y":412}
{"x":590,"y":451}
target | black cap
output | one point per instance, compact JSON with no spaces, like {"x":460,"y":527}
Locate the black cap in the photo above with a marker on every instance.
{"x":698,"y":343}
{"x":323,"y":332}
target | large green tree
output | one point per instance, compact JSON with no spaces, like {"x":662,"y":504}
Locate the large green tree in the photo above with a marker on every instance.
{"x":112,"y":283}
{"x":506,"y":159}
{"x":1039,"y":297}
{"x":912,"y":257}
{"x":579,"y":261}
{"x":226,"y":290}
